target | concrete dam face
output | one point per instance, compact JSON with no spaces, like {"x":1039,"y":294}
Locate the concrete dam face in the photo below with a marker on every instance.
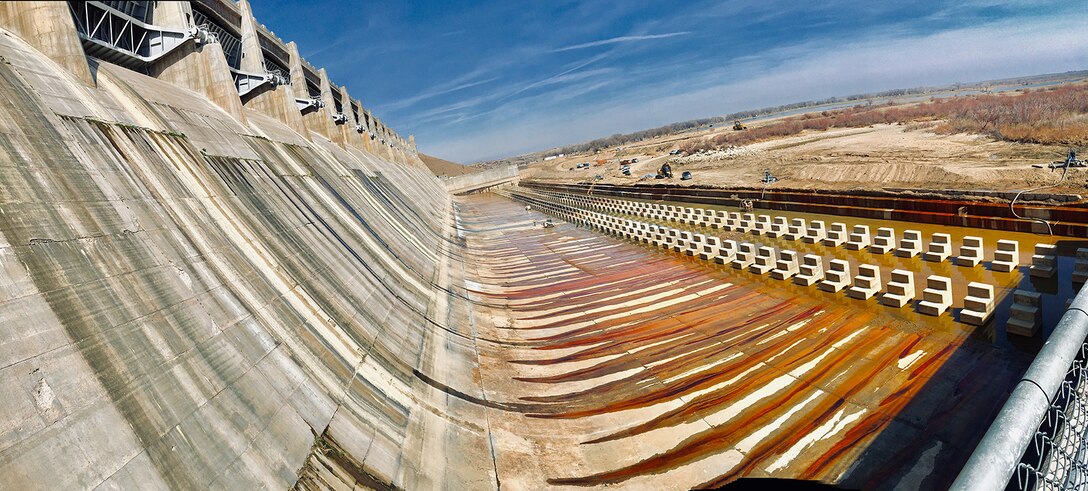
{"x":219,"y":270}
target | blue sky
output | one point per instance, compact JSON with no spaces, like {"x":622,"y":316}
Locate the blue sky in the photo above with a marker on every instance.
{"x":483,"y":79}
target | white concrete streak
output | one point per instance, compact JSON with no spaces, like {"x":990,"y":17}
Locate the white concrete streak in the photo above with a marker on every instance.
{"x":842,"y":342}
{"x":813,"y":363}
{"x":703,"y":368}
{"x":909,"y":360}
{"x":824,"y":432}
{"x":747,"y":444}
{"x":727,"y":383}
{"x":771,"y":388}
{"x":360,"y":233}
{"x":262,"y":260}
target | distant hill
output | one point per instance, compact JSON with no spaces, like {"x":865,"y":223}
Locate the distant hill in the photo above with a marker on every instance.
{"x":442,"y":167}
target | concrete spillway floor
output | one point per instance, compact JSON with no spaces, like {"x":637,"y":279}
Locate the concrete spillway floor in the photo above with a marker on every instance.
{"x":605,"y":362}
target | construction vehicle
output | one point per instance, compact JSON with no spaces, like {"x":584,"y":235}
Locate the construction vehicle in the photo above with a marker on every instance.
{"x":665,"y":172}
{"x":738,"y":126}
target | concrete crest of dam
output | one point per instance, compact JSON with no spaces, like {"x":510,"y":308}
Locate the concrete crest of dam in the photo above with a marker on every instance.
{"x":204,"y":290}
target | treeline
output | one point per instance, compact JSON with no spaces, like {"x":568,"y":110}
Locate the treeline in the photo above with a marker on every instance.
{"x":1055,"y":115}
{"x":623,"y":139}
{"x":674,"y":128}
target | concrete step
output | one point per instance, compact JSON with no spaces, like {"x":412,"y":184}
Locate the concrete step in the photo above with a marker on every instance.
{"x":1025,"y":297}
{"x":1024,"y":312}
{"x":979,"y":304}
{"x":896,"y":300}
{"x":1022,"y":328}
{"x":937,"y":296}
{"x":975,"y":317}
{"x":932,"y":308}
{"x":807,"y":279}
{"x":861,"y":293}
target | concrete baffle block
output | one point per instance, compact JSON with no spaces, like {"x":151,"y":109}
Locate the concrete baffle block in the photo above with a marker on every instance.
{"x":978,"y":305}
{"x":747,"y":223}
{"x":682,"y":240}
{"x":778,"y":227}
{"x":811,"y":271}
{"x":859,"y":238}
{"x":733,"y":221}
{"x":970,"y":252}
{"x":1026,"y":315}
{"x":884,"y":242}
{"x":815,"y":233}
{"x":797,"y":229}
{"x":940,"y":247}
{"x":866,"y":283}
{"x":937,"y":297}
{"x":836,"y":236}
{"x":786,"y":266}
{"x":1080,"y":266}
{"x":765,"y":261}
{"x":910,"y":245}
{"x":746,"y":255}
{"x":900,"y":289}
{"x":762,"y":225}
{"x":695,"y":245}
{"x":727,"y":252}
{"x":710,"y":248}
{"x":836,"y":277}
{"x":1007,"y":256}
{"x":1044,"y":263}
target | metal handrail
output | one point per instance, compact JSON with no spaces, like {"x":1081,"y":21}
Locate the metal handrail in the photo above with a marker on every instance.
{"x":1000,"y":452}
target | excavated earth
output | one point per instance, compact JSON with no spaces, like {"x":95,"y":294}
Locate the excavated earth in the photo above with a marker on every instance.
{"x":189,"y":301}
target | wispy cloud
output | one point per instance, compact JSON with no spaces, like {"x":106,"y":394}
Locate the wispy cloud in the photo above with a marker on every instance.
{"x":621,"y":39}
{"x":826,"y":67}
{"x":463,"y":82}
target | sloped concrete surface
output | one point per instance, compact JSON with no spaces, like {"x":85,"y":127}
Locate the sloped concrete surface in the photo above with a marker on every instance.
{"x":188,"y":302}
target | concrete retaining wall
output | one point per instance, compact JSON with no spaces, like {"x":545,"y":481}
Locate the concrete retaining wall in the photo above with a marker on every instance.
{"x":484,"y":179}
{"x":189,"y":301}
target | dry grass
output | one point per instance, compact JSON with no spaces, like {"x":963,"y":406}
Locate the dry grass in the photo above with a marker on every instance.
{"x":1056,"y":115}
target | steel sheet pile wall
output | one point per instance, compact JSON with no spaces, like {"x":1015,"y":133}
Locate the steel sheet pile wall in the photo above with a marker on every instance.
{"x":189,"y":302}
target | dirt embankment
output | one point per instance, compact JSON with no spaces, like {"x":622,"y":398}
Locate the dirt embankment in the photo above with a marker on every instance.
{"x":880,"y":156}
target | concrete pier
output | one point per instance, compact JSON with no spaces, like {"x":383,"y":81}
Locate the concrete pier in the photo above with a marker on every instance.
{"x":970,"y":252}
{"x":811,"y":271}
{"x":937,"y":296}
{"x":866,"y":283}
{"x":900,"y":289}
{"x":978,"y":306}
{"x":859,"y":238}
{"x":1044,"y":263}
{"x":836,"y":277}
{"x":910,"y":245}
{"x":884,"y":242}
{"x":940,"y":248}
{"x":786,"y":267}
{"x":1007,"y":256}
{"x":1026,"y":315}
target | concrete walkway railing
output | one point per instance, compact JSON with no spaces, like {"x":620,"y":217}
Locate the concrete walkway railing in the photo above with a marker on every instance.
{"x":1041,"y":434}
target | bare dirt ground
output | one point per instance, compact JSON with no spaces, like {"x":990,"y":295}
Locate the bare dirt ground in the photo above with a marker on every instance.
{"x":880,"y":156}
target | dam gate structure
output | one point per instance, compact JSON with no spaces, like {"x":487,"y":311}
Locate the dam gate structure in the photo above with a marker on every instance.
{"x":219,"y":269}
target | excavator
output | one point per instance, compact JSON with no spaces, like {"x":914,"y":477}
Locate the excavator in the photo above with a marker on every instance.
{"x":738,"y":126}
